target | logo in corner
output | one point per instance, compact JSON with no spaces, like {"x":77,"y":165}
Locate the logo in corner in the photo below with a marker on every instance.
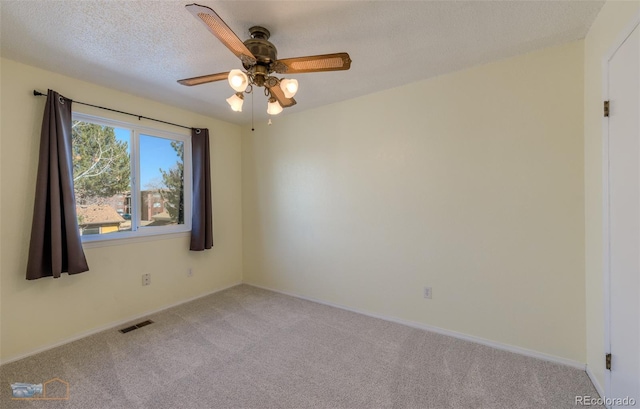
{"x":53,"y":389}
{"x":25,"y":390}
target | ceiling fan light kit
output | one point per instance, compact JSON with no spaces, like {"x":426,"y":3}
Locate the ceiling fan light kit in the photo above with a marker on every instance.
{"x":238,"y":80}
{"x":259,"y":59}
{"x":273,"y":108}
{"x":289,"y":87}
{"x":236,"y":100}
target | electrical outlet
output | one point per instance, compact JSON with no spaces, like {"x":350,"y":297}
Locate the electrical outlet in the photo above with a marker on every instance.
{"x":427,"y":292}
{"x":146,"y":279}
{"x":190,"y":272}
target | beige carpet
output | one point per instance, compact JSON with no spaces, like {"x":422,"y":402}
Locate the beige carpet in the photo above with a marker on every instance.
{"x":250,"y":348}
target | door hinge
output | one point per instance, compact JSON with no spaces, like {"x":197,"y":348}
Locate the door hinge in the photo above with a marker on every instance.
{"x":606,"y":109}
{"x":607,"y":361}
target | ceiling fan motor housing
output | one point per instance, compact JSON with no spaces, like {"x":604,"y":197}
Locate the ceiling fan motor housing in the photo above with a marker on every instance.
{"x":265,"y":52}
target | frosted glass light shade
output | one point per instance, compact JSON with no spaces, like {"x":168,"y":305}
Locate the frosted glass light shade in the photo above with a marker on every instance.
{"x":238,"y":80}
{"x":289,"y":87}
{"x":236,"y":101}
{"x":273,"y":108}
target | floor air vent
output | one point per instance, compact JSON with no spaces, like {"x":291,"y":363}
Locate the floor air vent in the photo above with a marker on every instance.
{"x":136,"y":326}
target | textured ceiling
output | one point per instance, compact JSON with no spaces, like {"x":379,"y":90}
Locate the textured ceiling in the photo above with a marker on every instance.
{"x":143,"y":47}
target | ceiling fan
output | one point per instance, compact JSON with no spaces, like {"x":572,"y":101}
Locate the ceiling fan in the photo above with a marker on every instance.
{"x":260,"y":60}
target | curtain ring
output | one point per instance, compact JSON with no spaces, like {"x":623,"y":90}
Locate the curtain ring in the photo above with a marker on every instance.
{"x":198,"y":131}
{"x":61,"y":100}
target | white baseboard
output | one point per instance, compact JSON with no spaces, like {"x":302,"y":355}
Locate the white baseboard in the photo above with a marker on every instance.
{"x":595,"y":382}
{"x":454,"y":334}
{"x":110,"y":325}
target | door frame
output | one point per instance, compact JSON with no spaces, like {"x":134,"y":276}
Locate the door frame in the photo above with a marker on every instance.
{"x":606,"y":239}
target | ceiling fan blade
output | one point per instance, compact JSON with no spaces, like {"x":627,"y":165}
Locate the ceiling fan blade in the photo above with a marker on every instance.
{"x":204,"y":79}
{"x":278,"y":94}
{"x":314,"y":63}
{"x":221,"y":30}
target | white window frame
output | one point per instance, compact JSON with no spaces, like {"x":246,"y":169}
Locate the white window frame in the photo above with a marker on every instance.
{"x":137,"y":232}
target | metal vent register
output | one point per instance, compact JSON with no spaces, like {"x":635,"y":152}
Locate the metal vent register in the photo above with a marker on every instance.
{"x":136,"y":326}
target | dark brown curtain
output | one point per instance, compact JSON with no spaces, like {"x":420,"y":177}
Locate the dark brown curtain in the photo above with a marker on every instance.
{"x":202,"y":220}
{"x":55,"y":240}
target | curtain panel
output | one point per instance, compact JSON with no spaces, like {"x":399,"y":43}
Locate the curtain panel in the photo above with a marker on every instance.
{"x":202,"y":216}
{"x":55,"y":246}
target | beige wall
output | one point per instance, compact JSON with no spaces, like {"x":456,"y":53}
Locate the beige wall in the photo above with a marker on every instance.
{"x":40,"y":313}
{"x":1,"y":195}
{"x":471,"y":183}
{"x":614,"y":17}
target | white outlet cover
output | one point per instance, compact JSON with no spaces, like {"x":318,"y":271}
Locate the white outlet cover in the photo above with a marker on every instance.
{"x":427,"y":292}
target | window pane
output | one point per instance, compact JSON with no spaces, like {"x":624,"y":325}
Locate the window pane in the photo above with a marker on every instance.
{"x":101,"y":177}
{"x":162,"y":181}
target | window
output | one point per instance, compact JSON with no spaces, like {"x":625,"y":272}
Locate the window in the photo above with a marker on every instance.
{"x":129,"y":181}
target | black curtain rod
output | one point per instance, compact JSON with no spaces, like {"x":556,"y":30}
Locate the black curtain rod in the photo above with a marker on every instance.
{"x":38,"y":93}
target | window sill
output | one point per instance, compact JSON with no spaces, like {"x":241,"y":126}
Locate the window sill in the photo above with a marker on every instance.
{"x":114,"y":241}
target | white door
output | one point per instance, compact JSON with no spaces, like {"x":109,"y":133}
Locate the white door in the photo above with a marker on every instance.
{"x":624,"y":221}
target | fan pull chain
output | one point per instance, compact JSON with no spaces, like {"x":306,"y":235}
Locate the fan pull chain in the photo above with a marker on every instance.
{"x":252,"y":128}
